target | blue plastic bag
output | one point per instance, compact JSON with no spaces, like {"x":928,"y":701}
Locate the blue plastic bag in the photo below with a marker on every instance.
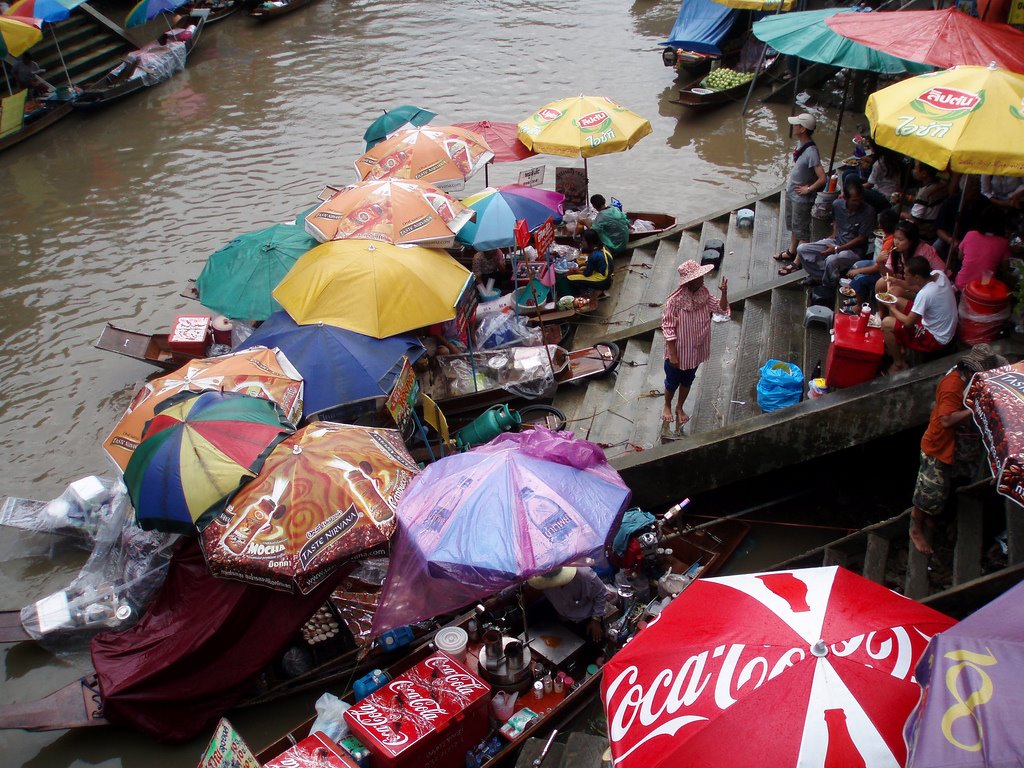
{"x":781,"y":384}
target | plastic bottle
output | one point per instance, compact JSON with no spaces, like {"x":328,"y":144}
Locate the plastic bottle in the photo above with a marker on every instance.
{"x":674,"y":510}
{"x":554,"y":522}
{"x":862,"y":319}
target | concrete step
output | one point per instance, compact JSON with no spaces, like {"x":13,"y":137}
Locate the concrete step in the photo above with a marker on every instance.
{"x":634,"y":279}
{"x":708,"y":404}
{"x":598,"y":397}
{"x":766,"y":236}
{"x":749,"y":358}
{"x":785,"y":326}
{"x":613,"y":429}
{"x":647,"y":422}
{"x":664,"y":278}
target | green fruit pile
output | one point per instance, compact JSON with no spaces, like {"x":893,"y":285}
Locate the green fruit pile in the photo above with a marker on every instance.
{"x":723,"y":78}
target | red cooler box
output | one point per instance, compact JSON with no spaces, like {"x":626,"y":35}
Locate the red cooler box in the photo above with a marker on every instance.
{"x":853,"y":358}
{"x":190,"y":334}
{"x":428,"y":718}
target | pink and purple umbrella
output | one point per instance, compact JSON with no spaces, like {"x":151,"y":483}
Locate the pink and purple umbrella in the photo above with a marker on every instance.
{"x":474,"y":523}
{"x":499,"y":208}
{"x":971,"y":691}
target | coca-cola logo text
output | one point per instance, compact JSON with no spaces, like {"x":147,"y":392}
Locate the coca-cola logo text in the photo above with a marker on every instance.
{"x":378,"y":723}
{"x":642,"y":707}
{"x":427,"y":708}
{"x":456,"y":679}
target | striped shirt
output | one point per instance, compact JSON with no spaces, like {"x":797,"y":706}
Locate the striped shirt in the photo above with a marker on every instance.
{"x":686,"y":324}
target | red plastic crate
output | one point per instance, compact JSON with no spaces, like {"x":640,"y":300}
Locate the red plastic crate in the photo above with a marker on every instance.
{"x":853,"y":358}
{"x":314,"y":751}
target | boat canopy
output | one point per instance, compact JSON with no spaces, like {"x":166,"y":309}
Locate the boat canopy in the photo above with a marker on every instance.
{"x":700,"y":26}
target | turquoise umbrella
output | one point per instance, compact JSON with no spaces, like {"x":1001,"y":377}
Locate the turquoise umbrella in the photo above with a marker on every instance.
{"x":238,"y":280}
{"x":806,"y":35}
{"x":392,"y":120}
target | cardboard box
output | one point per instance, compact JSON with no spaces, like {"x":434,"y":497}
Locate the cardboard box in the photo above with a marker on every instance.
{"x":190,"y":334}
{"x":314,"y":751}
{"x":428,"y":717}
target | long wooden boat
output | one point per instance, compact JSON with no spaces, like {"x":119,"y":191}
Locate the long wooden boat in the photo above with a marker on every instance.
{"x":662,"y":222}
{"x":272,"y":10}
{"x":707,"y":547}
{"x":695,"y":96}
{"x":221,"y":9}
{"x":79,"y":704}
{"x":43,"y":116}
{"x":152,"y":348}
{"x":112,"y":87}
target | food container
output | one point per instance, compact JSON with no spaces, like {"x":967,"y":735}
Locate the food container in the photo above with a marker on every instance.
{"x":190,"y":334}
{"x":452,"y":640}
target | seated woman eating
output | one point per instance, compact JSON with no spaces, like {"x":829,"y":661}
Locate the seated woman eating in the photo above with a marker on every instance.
{"x":864,"y":273}
{"x":595,"y":276}
{"x":906,"y":243}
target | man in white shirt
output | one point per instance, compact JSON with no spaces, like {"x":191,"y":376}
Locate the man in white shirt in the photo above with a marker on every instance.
{"x":930,"y":323}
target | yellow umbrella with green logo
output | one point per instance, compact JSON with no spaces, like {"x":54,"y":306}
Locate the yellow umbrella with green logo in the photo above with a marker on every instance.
{"x":969,"y":118}
{"x":582,"y":126}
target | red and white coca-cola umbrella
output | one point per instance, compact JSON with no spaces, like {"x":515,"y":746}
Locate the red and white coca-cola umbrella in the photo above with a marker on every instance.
{"x":809,"y":667}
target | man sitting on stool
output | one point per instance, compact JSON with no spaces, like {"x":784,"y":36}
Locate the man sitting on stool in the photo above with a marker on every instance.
{"x":578,"y":596}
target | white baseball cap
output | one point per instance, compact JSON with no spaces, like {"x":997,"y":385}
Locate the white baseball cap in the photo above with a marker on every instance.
{"x":806,"y":119}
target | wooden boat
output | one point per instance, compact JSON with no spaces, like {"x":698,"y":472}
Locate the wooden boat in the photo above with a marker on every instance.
{"x":152,"y":348}
{"x":220,"y":9}
{"x":661,"y":221}
{"x":696,"y":96}
{"x":708,"y":545}
{"x":595,"y":361}
{"x":267,"y":11}
{"x":45,"y":114}
{"x":112,"y":87}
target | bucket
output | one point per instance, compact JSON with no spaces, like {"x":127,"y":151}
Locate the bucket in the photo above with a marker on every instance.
{"x":221,"y":330}
{"x":532,"y":295}
{"x":987,"y":297}
{"x":822,"y":208}
{"x":452,"y":640}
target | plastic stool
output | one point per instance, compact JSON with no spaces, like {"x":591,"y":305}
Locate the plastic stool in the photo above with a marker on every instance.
{"x":818,"y":314}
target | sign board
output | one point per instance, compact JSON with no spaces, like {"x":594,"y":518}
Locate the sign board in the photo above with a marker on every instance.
{"x":522,"y":232}
{"x":465,"y":306}
{"x":544,"y":237}
{"x":572,"y":182}
{"x":532,"y":177}
{"x":1016,"y":13}
{"x":403,"y":395}
{"x":227,"y":750}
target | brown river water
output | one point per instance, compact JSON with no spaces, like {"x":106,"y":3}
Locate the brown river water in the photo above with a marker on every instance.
{"x":105,"y":216}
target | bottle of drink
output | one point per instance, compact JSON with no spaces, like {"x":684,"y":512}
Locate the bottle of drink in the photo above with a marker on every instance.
{"x":365,"y":493}
{"x":674,"y":510}
{"x":554,"y":523}
{"x":253,"y":520}
{"x":446,"y":505}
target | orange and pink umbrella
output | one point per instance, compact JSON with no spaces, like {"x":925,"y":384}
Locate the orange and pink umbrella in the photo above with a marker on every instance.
{"x":444,"y":156}
{"x":390,"y":210}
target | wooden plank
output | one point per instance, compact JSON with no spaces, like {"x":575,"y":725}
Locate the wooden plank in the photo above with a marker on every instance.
{"x":876,"y":556}
{"x":709,"y":403}
{"x":765,"y":241}
{"x":834,"y":557}
{"x":915,"y":586}
{"x":1014,"y":532}
{"x":749,"y":359}
{"x":647,"y":424}
{"x":785,"y":326}
{"x":967,"y":551}
{"x":613,"y":430}
{"x":964,"y":599}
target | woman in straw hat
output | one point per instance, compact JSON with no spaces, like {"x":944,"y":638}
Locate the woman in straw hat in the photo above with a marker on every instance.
{"x":686,"y":325}
{"x":939,"y":445}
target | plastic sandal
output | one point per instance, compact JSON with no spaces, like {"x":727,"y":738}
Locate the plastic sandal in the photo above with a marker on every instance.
{"x":789,"y":269}
{"x":786,"y":255}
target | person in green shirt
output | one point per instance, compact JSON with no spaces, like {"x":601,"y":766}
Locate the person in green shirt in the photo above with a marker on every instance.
{"x":611,"y":224}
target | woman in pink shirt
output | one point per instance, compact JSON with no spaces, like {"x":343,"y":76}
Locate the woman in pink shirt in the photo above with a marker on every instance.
{"x":906,"y":242}
{"x":984,"y":249}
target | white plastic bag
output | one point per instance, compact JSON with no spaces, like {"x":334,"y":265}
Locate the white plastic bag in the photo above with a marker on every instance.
{"x":330,"y":717}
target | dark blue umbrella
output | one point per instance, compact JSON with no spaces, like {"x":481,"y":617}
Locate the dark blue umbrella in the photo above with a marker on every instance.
{"x":338,"y":366}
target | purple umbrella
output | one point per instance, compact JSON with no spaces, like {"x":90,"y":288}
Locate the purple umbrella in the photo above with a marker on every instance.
{"x":474,"y":523}
{"x":972,"y":680}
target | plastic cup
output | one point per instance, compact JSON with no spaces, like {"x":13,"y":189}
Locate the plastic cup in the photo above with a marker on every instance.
{"x":452,"y":640}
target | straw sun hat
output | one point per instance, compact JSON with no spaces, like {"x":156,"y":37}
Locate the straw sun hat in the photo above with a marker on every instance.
{"x":982,"y":358}
{"x":556,"y":578}
{"x":691,"y":270}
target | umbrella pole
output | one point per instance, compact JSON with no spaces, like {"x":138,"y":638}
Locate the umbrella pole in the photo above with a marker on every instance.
{"x":839,"y":123}
{"x":753,"y":82}
{"x":586,"y":178}
{"x":60,"y":53}
{"x":422,"y":431}
{"x":472,"y":360}
{"x":953,"y":257}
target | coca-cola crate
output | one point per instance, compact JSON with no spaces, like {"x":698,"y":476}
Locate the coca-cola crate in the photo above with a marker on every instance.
{"x":314,"y":751}
{"x":428,"y":717}
{"x":190,"y":334}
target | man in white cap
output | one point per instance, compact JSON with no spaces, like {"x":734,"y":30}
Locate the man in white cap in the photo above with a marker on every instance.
{"x":805,"y":179}
{"x":686,"y":325}
{"x":578,"y":596}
